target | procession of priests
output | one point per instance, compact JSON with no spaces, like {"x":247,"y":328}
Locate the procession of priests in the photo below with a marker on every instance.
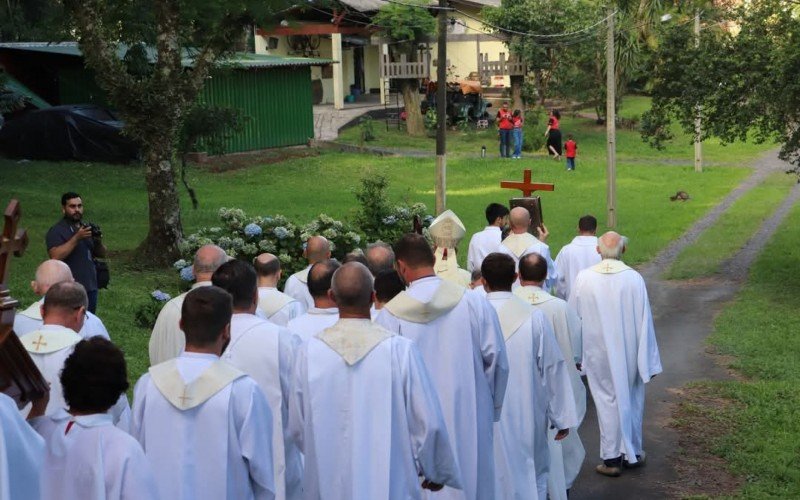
{"x":462,"y":383}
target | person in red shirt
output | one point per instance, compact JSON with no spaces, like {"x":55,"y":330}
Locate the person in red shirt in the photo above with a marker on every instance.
{"x":571,"y":148}
{"x":553,"y":135}
{"x":517,"y":120}
{"x":505,"y":125}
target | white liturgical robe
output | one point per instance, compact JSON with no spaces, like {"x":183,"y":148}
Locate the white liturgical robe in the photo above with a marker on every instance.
{"x":206,"y":430}
{"x":88,"y":458}
{"x":312,"y":322}
{"x":620,"y":354}
{"x":49,"y":347}
{"x":30,"y":319}
{"x":277,"y":306}
{"x":167,"y":340}
{"x":265,"y":352}
{"x":297,"y":287}
{"x":459,"y":337}
{"x":566,"y":456}
{"x":538,"y":394}
{"x":367,"y":416}
{"x":21,"y":455}
{"x":573,"y":258}
{"x":482,"y":244}
{"x":520,"y":245}
{"x":446,"y":267}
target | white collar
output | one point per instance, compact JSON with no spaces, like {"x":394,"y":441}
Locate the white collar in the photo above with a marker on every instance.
{"x":323,"y":310}
{"x":55,"y":328}
{"x":499,"y":295}
{"x":426,"y":279}
{"x":199,"y":355}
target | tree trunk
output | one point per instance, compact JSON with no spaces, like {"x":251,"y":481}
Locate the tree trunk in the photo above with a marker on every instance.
{"x":516,"y":92}
{"x":414,"y":123}
{"x":161,"y":245}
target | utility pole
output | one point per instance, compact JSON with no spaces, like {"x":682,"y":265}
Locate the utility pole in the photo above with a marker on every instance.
{"x":698,"y":146}
{"x":611,"y":124}
{"x":441,"y":110}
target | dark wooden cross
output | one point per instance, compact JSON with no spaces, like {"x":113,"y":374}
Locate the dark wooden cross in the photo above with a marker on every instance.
{"x":526,"y":186}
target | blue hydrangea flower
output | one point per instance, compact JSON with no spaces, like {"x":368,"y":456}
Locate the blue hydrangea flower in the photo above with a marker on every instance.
{"x":160,"y":296}
{"x":281,"y":232}
{"x":187,"y":274}
{"x":389,"y":220}
{"x":251,"y":230}
{"x":179,"y":264}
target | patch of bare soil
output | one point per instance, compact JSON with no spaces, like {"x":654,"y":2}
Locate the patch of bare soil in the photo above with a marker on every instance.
{"x":238,"y":161}
{"x":700,"y":419}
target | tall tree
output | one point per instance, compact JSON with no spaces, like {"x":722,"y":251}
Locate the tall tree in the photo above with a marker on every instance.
{"x":407,"y":27}
{"x":170,"y":47}
{"x":743,"y":76}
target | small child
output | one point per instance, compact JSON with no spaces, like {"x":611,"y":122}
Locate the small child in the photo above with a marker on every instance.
{"x":571,"y":148}
{"x":516,"y":119}
{"x":87,"y":457}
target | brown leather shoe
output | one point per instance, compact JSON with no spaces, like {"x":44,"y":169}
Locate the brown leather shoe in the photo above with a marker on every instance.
{"x":608,"y":470}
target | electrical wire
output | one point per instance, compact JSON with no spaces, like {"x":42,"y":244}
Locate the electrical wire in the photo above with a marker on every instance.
{"x":538,"y":35}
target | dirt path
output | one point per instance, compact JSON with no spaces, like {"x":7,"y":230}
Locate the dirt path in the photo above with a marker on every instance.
{"x":683,"y":313}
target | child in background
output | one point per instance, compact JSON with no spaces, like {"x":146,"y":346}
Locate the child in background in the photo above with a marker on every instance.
{"x":571,"y":148}
{"x":516,"y":119}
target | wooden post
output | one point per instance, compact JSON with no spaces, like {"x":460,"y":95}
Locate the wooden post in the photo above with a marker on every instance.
{"x":698,"y":125}
{"x":338,"y":73}
{"x":384,"y":54}
{"x":441,"y":111}
{"x":611,"y":123}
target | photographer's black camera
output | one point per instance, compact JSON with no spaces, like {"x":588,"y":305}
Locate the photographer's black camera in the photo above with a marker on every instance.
{"x":96,"y":232}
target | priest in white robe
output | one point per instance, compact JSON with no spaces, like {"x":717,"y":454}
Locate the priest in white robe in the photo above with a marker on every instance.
{"x":566,"y":455}
{"x":520,"y":242}
{"x":317,"y":249}
{"x":446,"y":231}
{"x":21,"y":451}
{"x":265,"y":352}
{"x":324,"y":313}
{"x":459,"y":337}
{"x":539,"y":393}
{"x":488,"y":240}
{"x":620,"y":354}
{"x":277,"y":307}
{"x":87,"y":458}
{"x":166,"y":340}
{"x":48,"y":274}
{"x":577,"y":255}
{"x":205,"y":427}
{"x":63,"y":314}
{"x":364,"y":408}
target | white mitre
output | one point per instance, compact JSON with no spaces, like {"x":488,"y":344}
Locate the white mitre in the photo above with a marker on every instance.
{"x":447,"y":231}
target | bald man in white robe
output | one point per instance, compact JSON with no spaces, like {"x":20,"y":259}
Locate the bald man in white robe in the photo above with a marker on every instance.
{"x":317,"y":249}
{"x":166,"y":340}
{"x":324,"y":314}
{"x":577,"y":255}
{"x":364,"y":408}
{"x":566,"y":455}
{"x":48,"y":274}
{"x":277,"y":307}
{"x":520,"y":242}
{"x":620,"y":354}
{"x":539,"y":389}
{"x":462,"y":345}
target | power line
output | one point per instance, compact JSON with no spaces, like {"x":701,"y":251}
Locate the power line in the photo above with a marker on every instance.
{"x":537,"y":35}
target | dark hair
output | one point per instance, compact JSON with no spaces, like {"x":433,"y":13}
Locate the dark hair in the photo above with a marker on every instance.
{"x":94,"y":376}
{"x":587,"y":223}
{"x":569,"y":136}
{"x":414,"y":250}
{"x":320,"y":275}
{"x":476,"y":275}
{"x":205,"y":312}
{"x":384,"y":260}
{"x":387,"y":285}
{"x":498,"y":271}
{"x":532,"y":267}
{"x":495,"y":210}
{"x":516,"y":112}
{"x":557,"y":114}
{"x":239,"y":279}
{"x":66,"y":295}
{"x":267,"y":269}
{"x":68,"y":196}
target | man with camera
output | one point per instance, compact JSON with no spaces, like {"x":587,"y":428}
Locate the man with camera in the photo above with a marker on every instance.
{"x":77,"y":243}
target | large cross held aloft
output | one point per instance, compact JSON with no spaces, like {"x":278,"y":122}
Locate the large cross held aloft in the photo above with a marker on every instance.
{"x":526,"y":186}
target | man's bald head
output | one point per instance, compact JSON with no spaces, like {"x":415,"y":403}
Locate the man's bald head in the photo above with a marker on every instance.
{"x":317,"y":249}
{"x":520,"y":218}
{"x":207,"y":259}
{"x":267,"y":265}
{"x":380,"y":257}
{"x":532,"y":268}
{"x":320,"y":276}
{"x":48,"y":274}
{"x":352,"y":287}
{"x":611,"y":245}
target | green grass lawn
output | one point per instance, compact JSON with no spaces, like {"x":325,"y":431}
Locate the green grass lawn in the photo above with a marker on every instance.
{"x":734,"y":228}
{"x":760,"y":330}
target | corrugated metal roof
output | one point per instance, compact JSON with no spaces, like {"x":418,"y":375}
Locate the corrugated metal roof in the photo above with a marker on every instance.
{"x":240,"y":59}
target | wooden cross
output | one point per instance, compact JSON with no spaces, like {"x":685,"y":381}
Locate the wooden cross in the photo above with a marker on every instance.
{"x":526,"y":186}
{"x":39,"y":342}
{"x":14,"y":240}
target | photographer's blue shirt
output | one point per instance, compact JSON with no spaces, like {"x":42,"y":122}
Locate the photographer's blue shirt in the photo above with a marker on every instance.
{"x":80,"y":260}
